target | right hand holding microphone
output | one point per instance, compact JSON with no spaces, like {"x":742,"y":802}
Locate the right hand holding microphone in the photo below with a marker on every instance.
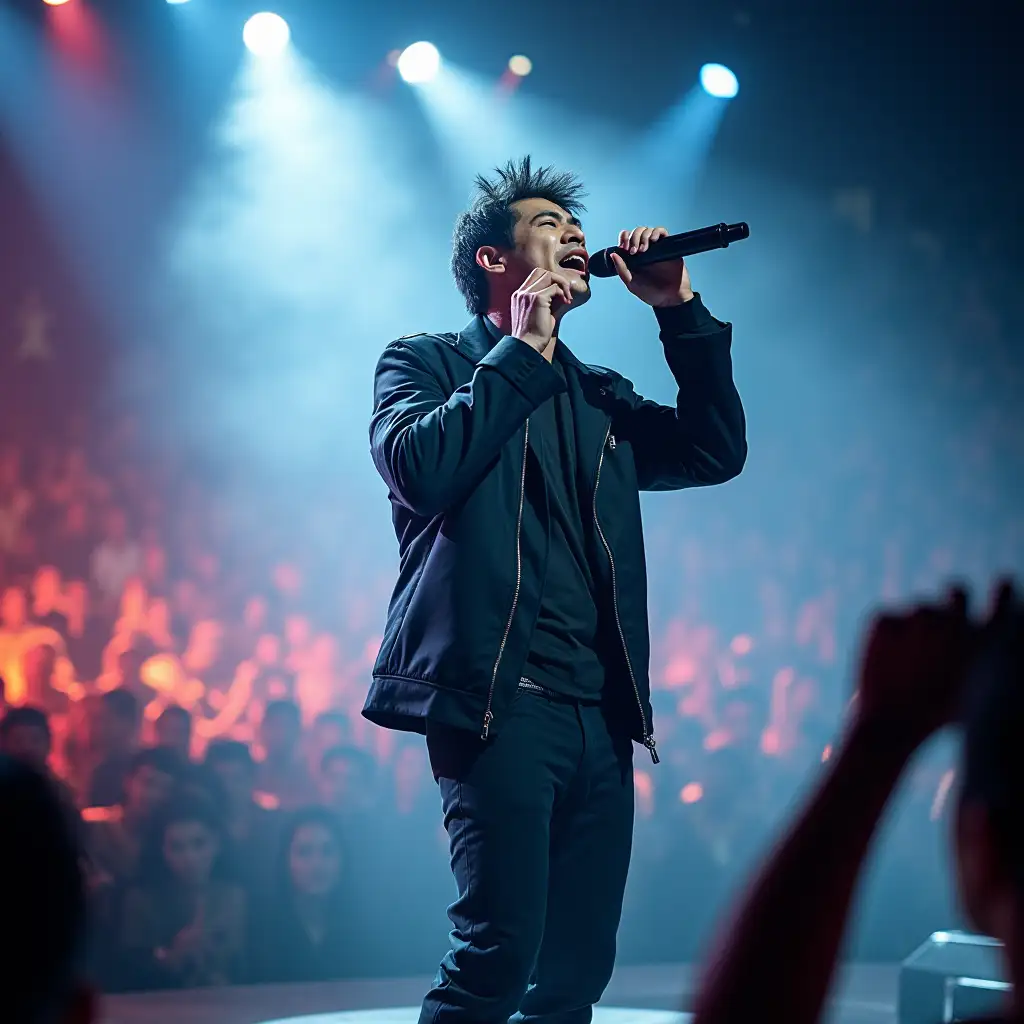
{"x":535,"y":307}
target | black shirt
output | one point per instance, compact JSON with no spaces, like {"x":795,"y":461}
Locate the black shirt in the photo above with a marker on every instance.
{"x":564,"y":651}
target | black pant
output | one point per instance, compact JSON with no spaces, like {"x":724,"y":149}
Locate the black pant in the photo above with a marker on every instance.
{"x":540,"y":822}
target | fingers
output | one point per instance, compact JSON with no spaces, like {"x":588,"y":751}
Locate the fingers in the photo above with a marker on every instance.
{"x":621,"y":269}
{"x":639,"y":239}
{"x":958,"y":601}
{"x":1002,"y":599}
{"x":539,"y":282}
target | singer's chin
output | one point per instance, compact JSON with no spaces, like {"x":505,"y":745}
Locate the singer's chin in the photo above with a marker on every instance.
{"x":580,"y":292}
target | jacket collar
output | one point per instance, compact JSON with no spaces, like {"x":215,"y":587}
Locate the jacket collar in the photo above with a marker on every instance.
{"x":479,"y":336}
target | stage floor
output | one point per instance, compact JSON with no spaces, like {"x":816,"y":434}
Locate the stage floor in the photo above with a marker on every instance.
{"x":866,"y":994}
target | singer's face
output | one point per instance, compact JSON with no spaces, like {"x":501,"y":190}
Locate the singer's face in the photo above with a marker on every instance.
{"x":547,"y":236}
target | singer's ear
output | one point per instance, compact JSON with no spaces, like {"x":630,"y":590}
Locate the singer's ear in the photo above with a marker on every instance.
{"x":490,"y":258}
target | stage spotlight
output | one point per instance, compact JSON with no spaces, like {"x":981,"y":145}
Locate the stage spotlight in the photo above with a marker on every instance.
{"x":718,"y":80}
{"x":419,"y":63}
{"x":56,"y":3}
{"x":177,"y":1}
{"x":520,"y":65}
{"x":266,"y":35}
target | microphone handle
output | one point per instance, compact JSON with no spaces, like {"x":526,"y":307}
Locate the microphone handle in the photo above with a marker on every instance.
{"x":672,"y":247}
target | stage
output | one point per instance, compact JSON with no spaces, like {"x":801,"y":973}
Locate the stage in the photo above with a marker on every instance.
{"x":865,"y":994}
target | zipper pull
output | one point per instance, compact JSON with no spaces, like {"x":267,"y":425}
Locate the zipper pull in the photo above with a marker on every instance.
{"x":653,"y":748}
{"x":488,"y":718}
{"x":611,"y":441}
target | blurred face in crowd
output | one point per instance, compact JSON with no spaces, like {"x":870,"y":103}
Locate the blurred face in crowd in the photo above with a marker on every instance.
{"x":346,"y":784}
{"x":297,"y":632}
{"x":268,"y":650}
{"x":186,"y":599}
{"x":173,"y":729}
{"x":129,"y":665}
{"x":329,"y":732}
{"x":237,"y":778}
{"x":158,"y":620}
{"x":154,"y":563}
{"x":739,"y":720}
{"x":314,"y":860}
{"x":147,"y":789}
{"x":324,"y":652}
{"x":28,"y":744}
{"x":114,"y":733}
{"x":76,"y":605}
{"x":255,"y":614}
{"x":190,"y":849}
{"x":116,"y":525}
{"x":46,"y":590}
{"x":203,"y":645}
{"x":133,"y":603}
{"x":280,"y":735}
{"x":77,"y":520}
{"x":13,"y":608}
{"x":37,"y":663}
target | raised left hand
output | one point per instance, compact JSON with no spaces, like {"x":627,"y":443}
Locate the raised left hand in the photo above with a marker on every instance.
{"x":660,"y":284}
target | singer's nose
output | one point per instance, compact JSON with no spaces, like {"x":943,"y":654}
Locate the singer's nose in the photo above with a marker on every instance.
{"x":574,"y":233}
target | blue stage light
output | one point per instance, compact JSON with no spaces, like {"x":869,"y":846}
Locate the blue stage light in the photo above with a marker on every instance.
{"x":419,"y":63}
{"x":266,"y":35}
{"x":718,"y":80}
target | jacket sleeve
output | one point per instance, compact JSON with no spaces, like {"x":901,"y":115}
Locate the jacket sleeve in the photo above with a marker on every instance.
{"x":702,"y":440}
{"x":432,"y":448}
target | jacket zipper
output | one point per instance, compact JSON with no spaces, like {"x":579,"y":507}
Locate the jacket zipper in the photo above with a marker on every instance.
{"x":488,"y":715}
{"x":648,"y":738}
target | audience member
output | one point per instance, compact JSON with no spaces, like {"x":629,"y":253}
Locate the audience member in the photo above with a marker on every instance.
{"x":282,"y":774}
{"x":778,"y":957}
{"x":307,"y":933}
{"x":25,"y":736}
{"x":71,"y":545}
{"x":183,"y":924}
{"x":348,"y":784}
{"x":251,"y":828}
{"x":47,"y":599}
{"x":115,"y":735}
{"x":114,"y":835}
{"x":116,"y":560}
{"x":86,"y":633}
{"x":44,"y":906}
{"x":173,"y":729}
{"x":329,"y":729}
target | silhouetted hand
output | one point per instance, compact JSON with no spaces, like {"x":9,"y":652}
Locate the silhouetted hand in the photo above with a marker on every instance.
{"x":914,"y":666}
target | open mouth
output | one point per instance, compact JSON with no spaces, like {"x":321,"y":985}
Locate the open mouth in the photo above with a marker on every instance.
{"x":575,"y":261}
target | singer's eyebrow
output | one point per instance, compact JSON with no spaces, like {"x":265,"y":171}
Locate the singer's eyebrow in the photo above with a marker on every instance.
{"x":554,"y":213}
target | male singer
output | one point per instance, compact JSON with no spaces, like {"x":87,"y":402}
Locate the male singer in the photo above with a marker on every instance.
{"x":517,"y":637}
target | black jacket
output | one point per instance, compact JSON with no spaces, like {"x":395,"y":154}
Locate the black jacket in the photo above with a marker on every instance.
{"x":449,"y":435}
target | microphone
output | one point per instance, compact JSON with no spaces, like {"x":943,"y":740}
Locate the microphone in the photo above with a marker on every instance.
{"x":671,"y":247}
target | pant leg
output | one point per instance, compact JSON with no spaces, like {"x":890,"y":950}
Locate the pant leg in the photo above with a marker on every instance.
{"x":591,"y":842}
{"x":498,"y":798}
